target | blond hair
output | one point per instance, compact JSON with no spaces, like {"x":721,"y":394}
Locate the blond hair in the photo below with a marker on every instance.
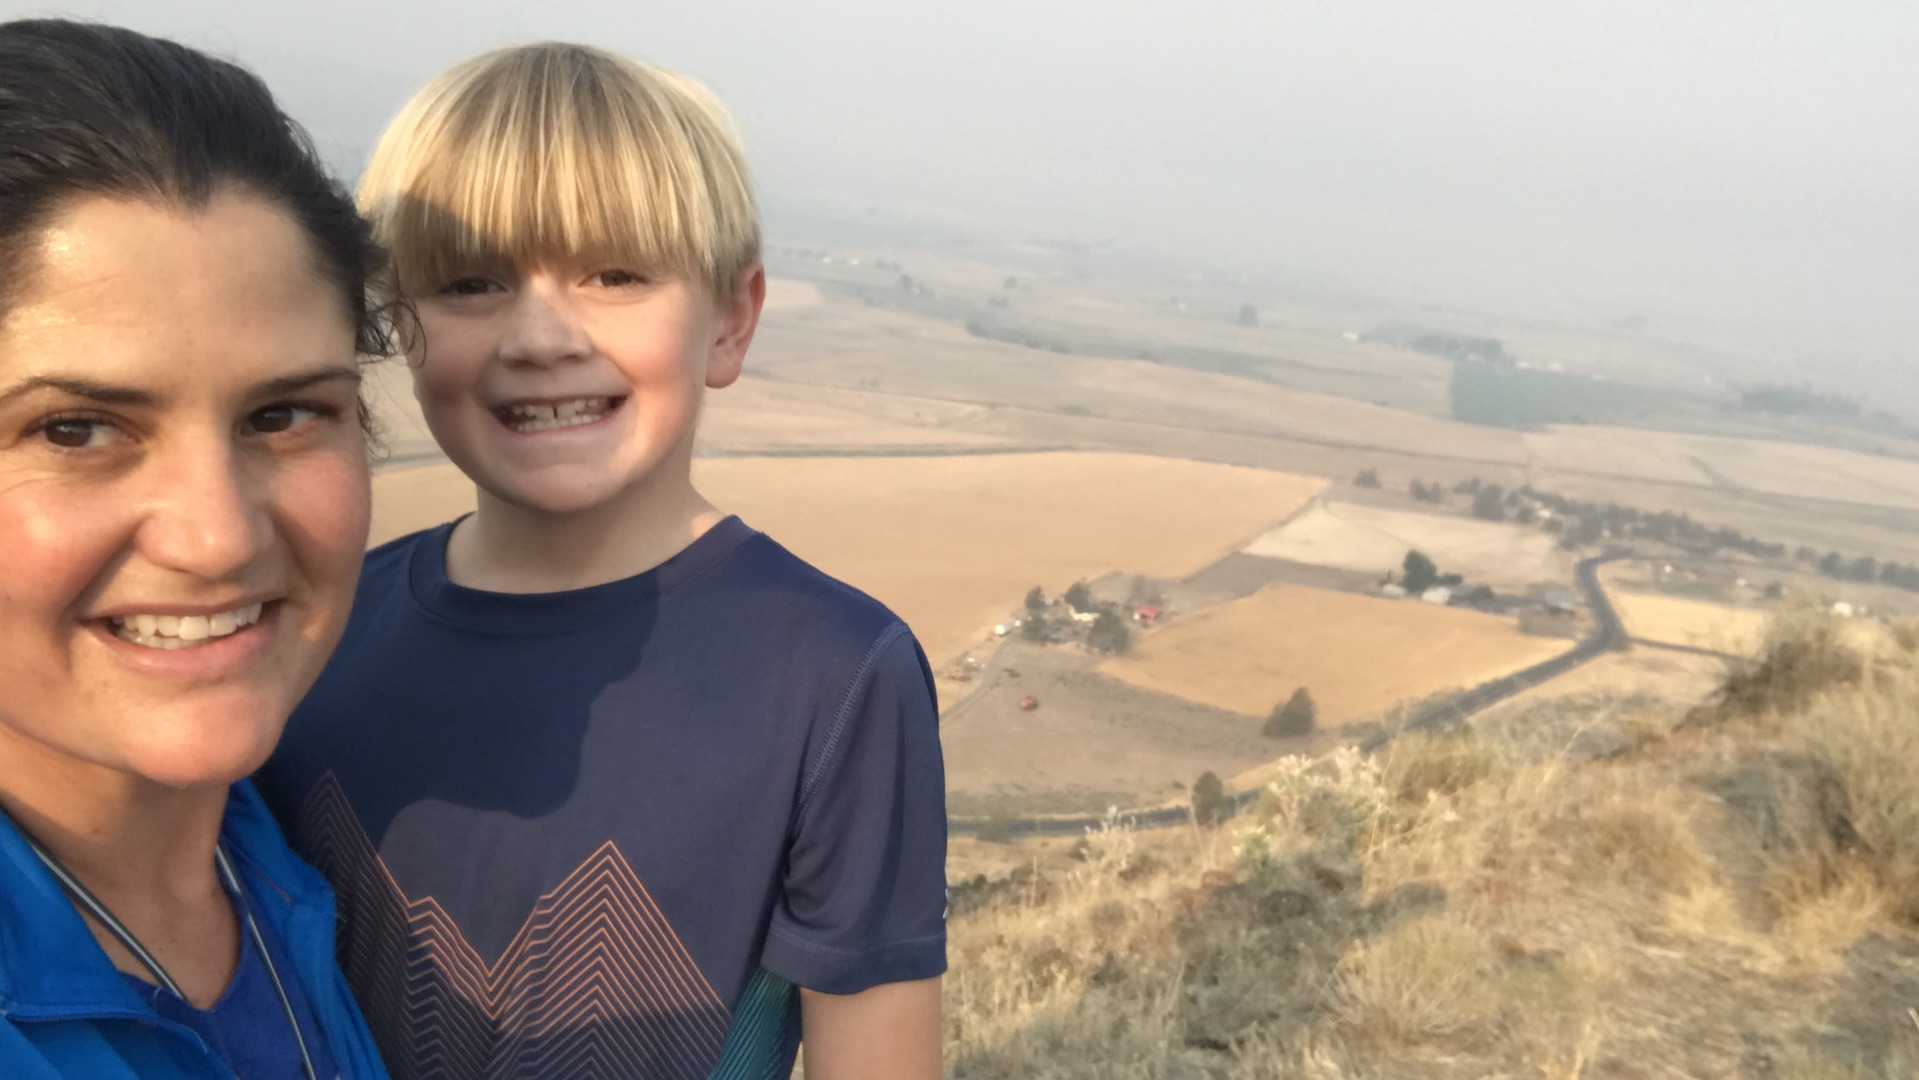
{"x":556,"y":149}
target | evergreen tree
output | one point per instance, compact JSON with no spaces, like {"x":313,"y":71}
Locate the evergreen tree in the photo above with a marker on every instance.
{"x":1297,"y":716}
{"x":1419,"y":573}
{"x":1210,"y":803}
{"x":1079,"y":597}
{"x":1109,"y":634}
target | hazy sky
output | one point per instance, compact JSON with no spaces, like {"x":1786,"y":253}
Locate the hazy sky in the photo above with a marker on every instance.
{"x":1734,"y":170}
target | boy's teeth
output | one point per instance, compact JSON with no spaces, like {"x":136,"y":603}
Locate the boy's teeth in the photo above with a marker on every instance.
{"x":183,"y":631}
{"x":545,"y":417}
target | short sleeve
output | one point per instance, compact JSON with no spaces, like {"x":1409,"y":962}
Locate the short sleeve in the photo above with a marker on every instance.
{"x":864,"y":896}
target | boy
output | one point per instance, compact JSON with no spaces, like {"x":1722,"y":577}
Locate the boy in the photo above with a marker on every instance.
{"x":609,"y":784}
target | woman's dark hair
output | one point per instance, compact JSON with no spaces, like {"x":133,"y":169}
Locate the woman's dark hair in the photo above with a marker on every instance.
{"x":89,"y":110}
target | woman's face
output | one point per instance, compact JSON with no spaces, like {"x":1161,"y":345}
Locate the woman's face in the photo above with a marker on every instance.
{"x":183,"y":488}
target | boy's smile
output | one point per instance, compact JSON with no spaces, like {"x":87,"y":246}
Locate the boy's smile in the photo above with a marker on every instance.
{"x":563,"y":387}
{"x":530,"y":417}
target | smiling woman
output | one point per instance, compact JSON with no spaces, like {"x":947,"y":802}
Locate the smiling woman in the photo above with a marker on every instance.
{"x":183,"y":504}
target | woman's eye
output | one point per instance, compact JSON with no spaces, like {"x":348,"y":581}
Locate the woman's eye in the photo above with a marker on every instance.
{"x":277,"y":418}
{"x":77,"y":433}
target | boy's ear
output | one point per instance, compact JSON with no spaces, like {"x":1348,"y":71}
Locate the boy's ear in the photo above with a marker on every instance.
{"x":738,"y":320}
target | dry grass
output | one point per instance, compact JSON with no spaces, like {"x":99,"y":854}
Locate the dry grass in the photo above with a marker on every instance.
{"x":1453,"y":910}
{"x":1421,"y":765}
{"x":1428,"y":981}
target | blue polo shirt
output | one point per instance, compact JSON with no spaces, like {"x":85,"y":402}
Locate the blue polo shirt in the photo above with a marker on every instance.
{"x":609,"y":832}
{"x":66,"y":1011}
{"x":248,"y":1028}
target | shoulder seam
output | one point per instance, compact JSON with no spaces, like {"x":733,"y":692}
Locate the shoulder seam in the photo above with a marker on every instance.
{"x":809,"y":785}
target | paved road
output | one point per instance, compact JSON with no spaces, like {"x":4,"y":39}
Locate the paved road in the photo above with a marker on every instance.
{"x":1608,"y":635}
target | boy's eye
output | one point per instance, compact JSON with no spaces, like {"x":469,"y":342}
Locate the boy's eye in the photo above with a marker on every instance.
{"x":467,"y":286}
{"x":617,"y":279}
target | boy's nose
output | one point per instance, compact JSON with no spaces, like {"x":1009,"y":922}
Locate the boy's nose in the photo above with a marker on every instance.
{"x":542,"y":328}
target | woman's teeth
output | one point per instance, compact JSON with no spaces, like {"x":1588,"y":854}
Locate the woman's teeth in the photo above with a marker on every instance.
{"x":182,"y":631}
{"x":559,"y":414}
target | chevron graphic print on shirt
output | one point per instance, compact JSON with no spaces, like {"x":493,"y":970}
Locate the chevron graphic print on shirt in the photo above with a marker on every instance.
{"x":595,"y":986}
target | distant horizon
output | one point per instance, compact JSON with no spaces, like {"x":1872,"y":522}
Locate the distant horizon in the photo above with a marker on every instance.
{"x":1733,"y":175}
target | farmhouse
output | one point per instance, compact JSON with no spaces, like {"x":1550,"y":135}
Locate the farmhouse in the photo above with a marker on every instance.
{"x":1559,"y":602}
{"x":1146,"y":614}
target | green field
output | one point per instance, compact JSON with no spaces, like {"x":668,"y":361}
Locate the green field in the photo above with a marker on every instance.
{"x":1508,"y":397}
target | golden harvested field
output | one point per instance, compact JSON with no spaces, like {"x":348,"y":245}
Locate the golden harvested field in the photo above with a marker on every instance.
{"x":953,"y":543}
{"x":1354,"y":537}
{"x":1358,"y":655}
{"x":1676,"y":620}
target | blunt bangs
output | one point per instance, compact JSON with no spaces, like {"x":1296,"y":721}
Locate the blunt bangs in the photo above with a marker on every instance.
{"x":562,"y":150}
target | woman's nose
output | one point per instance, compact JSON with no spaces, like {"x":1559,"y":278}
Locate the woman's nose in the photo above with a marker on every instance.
{"x":207,"y":514}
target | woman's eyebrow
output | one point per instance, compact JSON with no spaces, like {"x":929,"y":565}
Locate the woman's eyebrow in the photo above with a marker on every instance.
{"x":104,"y":393}
{"x":108,"y":394}
{"x":293,"y":384}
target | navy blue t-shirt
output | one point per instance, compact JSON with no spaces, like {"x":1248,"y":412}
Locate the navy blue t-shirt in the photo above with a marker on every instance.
{"x":609,"y":832}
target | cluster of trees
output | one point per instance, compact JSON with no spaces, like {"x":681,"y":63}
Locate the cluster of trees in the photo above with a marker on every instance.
{"x":1861,"y":568}
{"x":1367,"y":478}
{"x":1581,"y":523}
{"x":1108,"y":633}
{"x":1777,"y":400}
{"x":1418,"y":573}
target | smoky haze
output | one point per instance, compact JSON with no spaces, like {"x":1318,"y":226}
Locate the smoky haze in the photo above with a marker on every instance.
{"x":1742,"y":173}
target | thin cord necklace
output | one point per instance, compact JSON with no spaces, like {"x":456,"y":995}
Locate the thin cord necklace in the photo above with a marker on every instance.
{"x":84,"y":897}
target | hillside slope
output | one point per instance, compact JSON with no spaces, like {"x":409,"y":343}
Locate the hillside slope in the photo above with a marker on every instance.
{"x":1594,"y":888}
